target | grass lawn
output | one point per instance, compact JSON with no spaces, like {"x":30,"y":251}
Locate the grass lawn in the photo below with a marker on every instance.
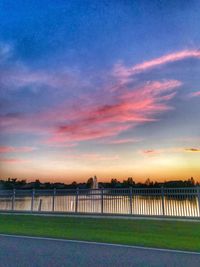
{"x":152,"y":233}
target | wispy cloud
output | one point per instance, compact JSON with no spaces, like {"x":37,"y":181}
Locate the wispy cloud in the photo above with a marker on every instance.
{"x":192,"y":149}
{"x":67,"y":124}
{"x":151,"y":152}
{"x":23,"y":123}
{"x":129,"y":109}
{"x":11,"y":149}
{"x":157,"y":152}
{"x":120,"y":141}
{"x":194,"y":94}
{"x":124,"y":72}
{"x":13,"y":160}
{"x":5,"y":51}
{"x":20,"y":76}
{"x":100,"y":115}
{"x":188,"y":139}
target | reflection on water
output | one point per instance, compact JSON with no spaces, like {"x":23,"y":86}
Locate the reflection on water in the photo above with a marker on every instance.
{"x":138,"y":205}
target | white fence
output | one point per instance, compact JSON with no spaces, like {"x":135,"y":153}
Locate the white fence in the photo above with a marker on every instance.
{"x":181,"y":202}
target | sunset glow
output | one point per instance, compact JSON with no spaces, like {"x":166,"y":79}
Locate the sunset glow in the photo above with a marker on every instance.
{"x":112,"y":89}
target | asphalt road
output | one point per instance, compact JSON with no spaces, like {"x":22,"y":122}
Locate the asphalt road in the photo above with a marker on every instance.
{"x":21,"y":252}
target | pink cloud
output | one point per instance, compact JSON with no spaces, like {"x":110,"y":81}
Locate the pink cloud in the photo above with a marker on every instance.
{"x":16,"y":123}
{"x":8,"y":149}
{"x":129,"y":109}
{"x":194,"y":94}
{"x":87,"y":118}
{"x":125,"y":72}
{"x":155,"y":88}
{"x":13,"y":160}
{"x":69,"y":124}
{"x":122,"y":141}
{"x":85,"y":131}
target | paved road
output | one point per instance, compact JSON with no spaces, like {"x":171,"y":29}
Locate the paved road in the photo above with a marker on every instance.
{"x":33,"y":252}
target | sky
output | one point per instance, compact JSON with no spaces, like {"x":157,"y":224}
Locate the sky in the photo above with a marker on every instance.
{"x":106,"y":88}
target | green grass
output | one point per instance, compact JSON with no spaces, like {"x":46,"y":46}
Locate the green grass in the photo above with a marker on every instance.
{"x":153,"y":233}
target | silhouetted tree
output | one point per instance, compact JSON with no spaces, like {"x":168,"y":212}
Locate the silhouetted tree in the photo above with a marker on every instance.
{"x":89,"y":183}
{"x":129,"y":182}
{"x":11,"y":183}
{"x":149,"y":183}
{"x":37,"y":184}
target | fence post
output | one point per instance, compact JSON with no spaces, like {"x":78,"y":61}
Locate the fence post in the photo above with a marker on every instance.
{"x":76,"y":204}
{"x":40,"y":205}
{"x":32,"y":199}
{"x":13,"y":200}
{"x":198,"y":196}
{"x":163,"y":200}
{"x":53,"y":201}
{"x":102,"y":200}
{"x":131,"y":199}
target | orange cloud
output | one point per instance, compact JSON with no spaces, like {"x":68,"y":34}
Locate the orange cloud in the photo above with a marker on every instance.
{"x":192,"y":149}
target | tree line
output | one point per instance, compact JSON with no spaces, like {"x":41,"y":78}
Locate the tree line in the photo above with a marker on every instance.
{"x":12,"y":183}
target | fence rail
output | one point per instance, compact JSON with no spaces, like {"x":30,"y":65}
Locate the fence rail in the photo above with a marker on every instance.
{"x":181,"y":202}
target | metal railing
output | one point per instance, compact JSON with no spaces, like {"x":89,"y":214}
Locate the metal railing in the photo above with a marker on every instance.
{"x":181,"y":202}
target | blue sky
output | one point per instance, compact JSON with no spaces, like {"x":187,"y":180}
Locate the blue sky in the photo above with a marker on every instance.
{"x":103,"y":87}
